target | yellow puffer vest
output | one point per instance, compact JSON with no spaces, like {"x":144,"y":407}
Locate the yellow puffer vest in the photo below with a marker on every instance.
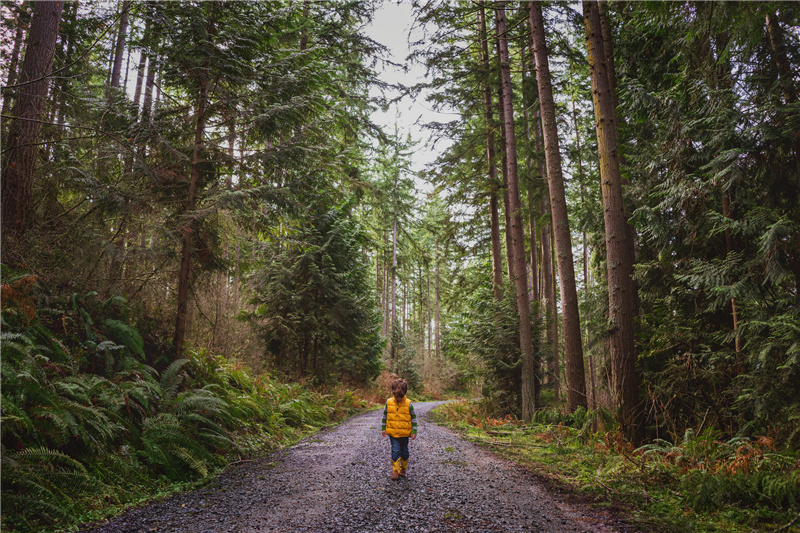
{"x":398,"y":418}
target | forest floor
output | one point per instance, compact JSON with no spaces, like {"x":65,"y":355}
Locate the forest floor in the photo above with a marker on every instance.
{"x":338,"y":480}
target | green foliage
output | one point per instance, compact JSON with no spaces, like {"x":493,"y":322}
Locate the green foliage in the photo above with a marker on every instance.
{"x":713,"y":168}
{"x":85,"y":420}
{"x":401,"y":359}
{"x":489,"y":329}
{"x":314,"y":304}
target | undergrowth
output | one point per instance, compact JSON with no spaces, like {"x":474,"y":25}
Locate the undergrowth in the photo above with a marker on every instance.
{"x":96,"y":418}
{"x":702,"y":484}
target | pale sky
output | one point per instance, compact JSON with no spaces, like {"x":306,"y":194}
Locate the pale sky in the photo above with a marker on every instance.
{"x":390,"y":27}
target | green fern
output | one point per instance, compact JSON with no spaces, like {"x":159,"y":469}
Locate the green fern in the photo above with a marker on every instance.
{"x":172,"y":378}
{"x":125,"y":335}
{"x":41,"y":481}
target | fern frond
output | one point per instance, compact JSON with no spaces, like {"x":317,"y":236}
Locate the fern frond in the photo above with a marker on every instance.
{"x":125,"y":335}
{"x":172,"y":378}
{"x":194,"y":463}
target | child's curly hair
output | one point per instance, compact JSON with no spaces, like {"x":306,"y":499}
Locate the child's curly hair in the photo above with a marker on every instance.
{"x":399,"y":389}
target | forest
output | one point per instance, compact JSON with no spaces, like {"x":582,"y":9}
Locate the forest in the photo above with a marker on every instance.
{"x":209,"y":246}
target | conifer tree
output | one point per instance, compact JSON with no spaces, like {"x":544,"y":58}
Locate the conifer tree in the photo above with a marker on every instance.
{"x":573,"y":347}
{"x":22,"y":146}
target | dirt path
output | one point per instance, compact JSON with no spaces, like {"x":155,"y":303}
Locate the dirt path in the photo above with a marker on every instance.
{"x":339,"y":481}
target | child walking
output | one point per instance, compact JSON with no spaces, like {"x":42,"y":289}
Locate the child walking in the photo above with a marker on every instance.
{"x":399,"y":424}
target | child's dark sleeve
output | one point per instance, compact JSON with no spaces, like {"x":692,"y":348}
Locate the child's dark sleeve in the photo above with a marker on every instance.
{"x":413,"y":419}
{"x":383,"y":420}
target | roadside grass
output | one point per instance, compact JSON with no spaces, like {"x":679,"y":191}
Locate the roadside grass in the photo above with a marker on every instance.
{"x":699,"y":485}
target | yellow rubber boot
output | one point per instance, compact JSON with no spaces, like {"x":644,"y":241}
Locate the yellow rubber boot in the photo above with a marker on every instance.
{"x":396,"y":469}
{"x":403,"y":466}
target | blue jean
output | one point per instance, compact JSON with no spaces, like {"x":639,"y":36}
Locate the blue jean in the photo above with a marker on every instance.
{"x":399,"y":447}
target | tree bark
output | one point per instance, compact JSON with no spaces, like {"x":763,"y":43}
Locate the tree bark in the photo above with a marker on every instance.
{"x":394,"y":269}
{"x":21,"y":146}
{"x":378,"y":279}
{"x":536,"y":296}
{"x":528,"y":393}
{"x":611,"y":72}
{"x":137,"y":93}
{"x":304,"y":33}
{"x":581,"y":178}
{"x":421,"y":309}
{"x":547,"y":291}
{"x":120,"y":45}
{"x":436,"y":323}
{"x":14,"y":59}
{"x":494,"y":221}
{"x":533,"y":293}
{"x":506,"y":210}
{"x":547,"y":281}
{"x":188,"y":231}
{"x":621,"y":288}
{"x":430,"y":329}
{"x":147,"y":102}
{"x":387,"y":315}
{"x":573,"y":348}
{"x":531,"y":191}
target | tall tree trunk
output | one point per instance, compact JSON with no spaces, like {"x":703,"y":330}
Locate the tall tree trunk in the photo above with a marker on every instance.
{"x":501,"y":110}
{"x":554,"y":284}
{"x":494,"y":221}
{"x":548,"y":292}
{"x":119,"y":49}
{"x":404,"y":315}
{"x":548,"y":283}
{"x":378,"y":279}
{"x":497,"y":248}
{"x":788,"y":81}
{"x":140,"y":76}
{"x":437,"y":353}
{"x":621,"y":289}
{"x":188,"y":231}
{"x":581,"y":178}
{"x":237,"y":269}
{"x":533,"y":293}
{"x":531,"y":189}
{"x":387,"y":315}
{"x":394,"y":270}
{"x":147,"y":102}
{"x":573,"y":348}
{"x":60,"y":86}
{"x":528,"y":393}
{"x":506,"y":209}
{"x":611,"y":72}
{"x":430,"y":329}
{"x":536,"y":296}
{"x":152,"y":39}
{"x":304,"y":34}
{"x":127,"y":69}
{"x":21,"y":146}
{"x":421,"y":310}
{"x":143,"y":67}
{"x":14,"y":59}
{"x":117,"y":266}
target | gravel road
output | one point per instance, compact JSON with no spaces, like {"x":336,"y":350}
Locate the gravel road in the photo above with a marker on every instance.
{"x":339,"y":481}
